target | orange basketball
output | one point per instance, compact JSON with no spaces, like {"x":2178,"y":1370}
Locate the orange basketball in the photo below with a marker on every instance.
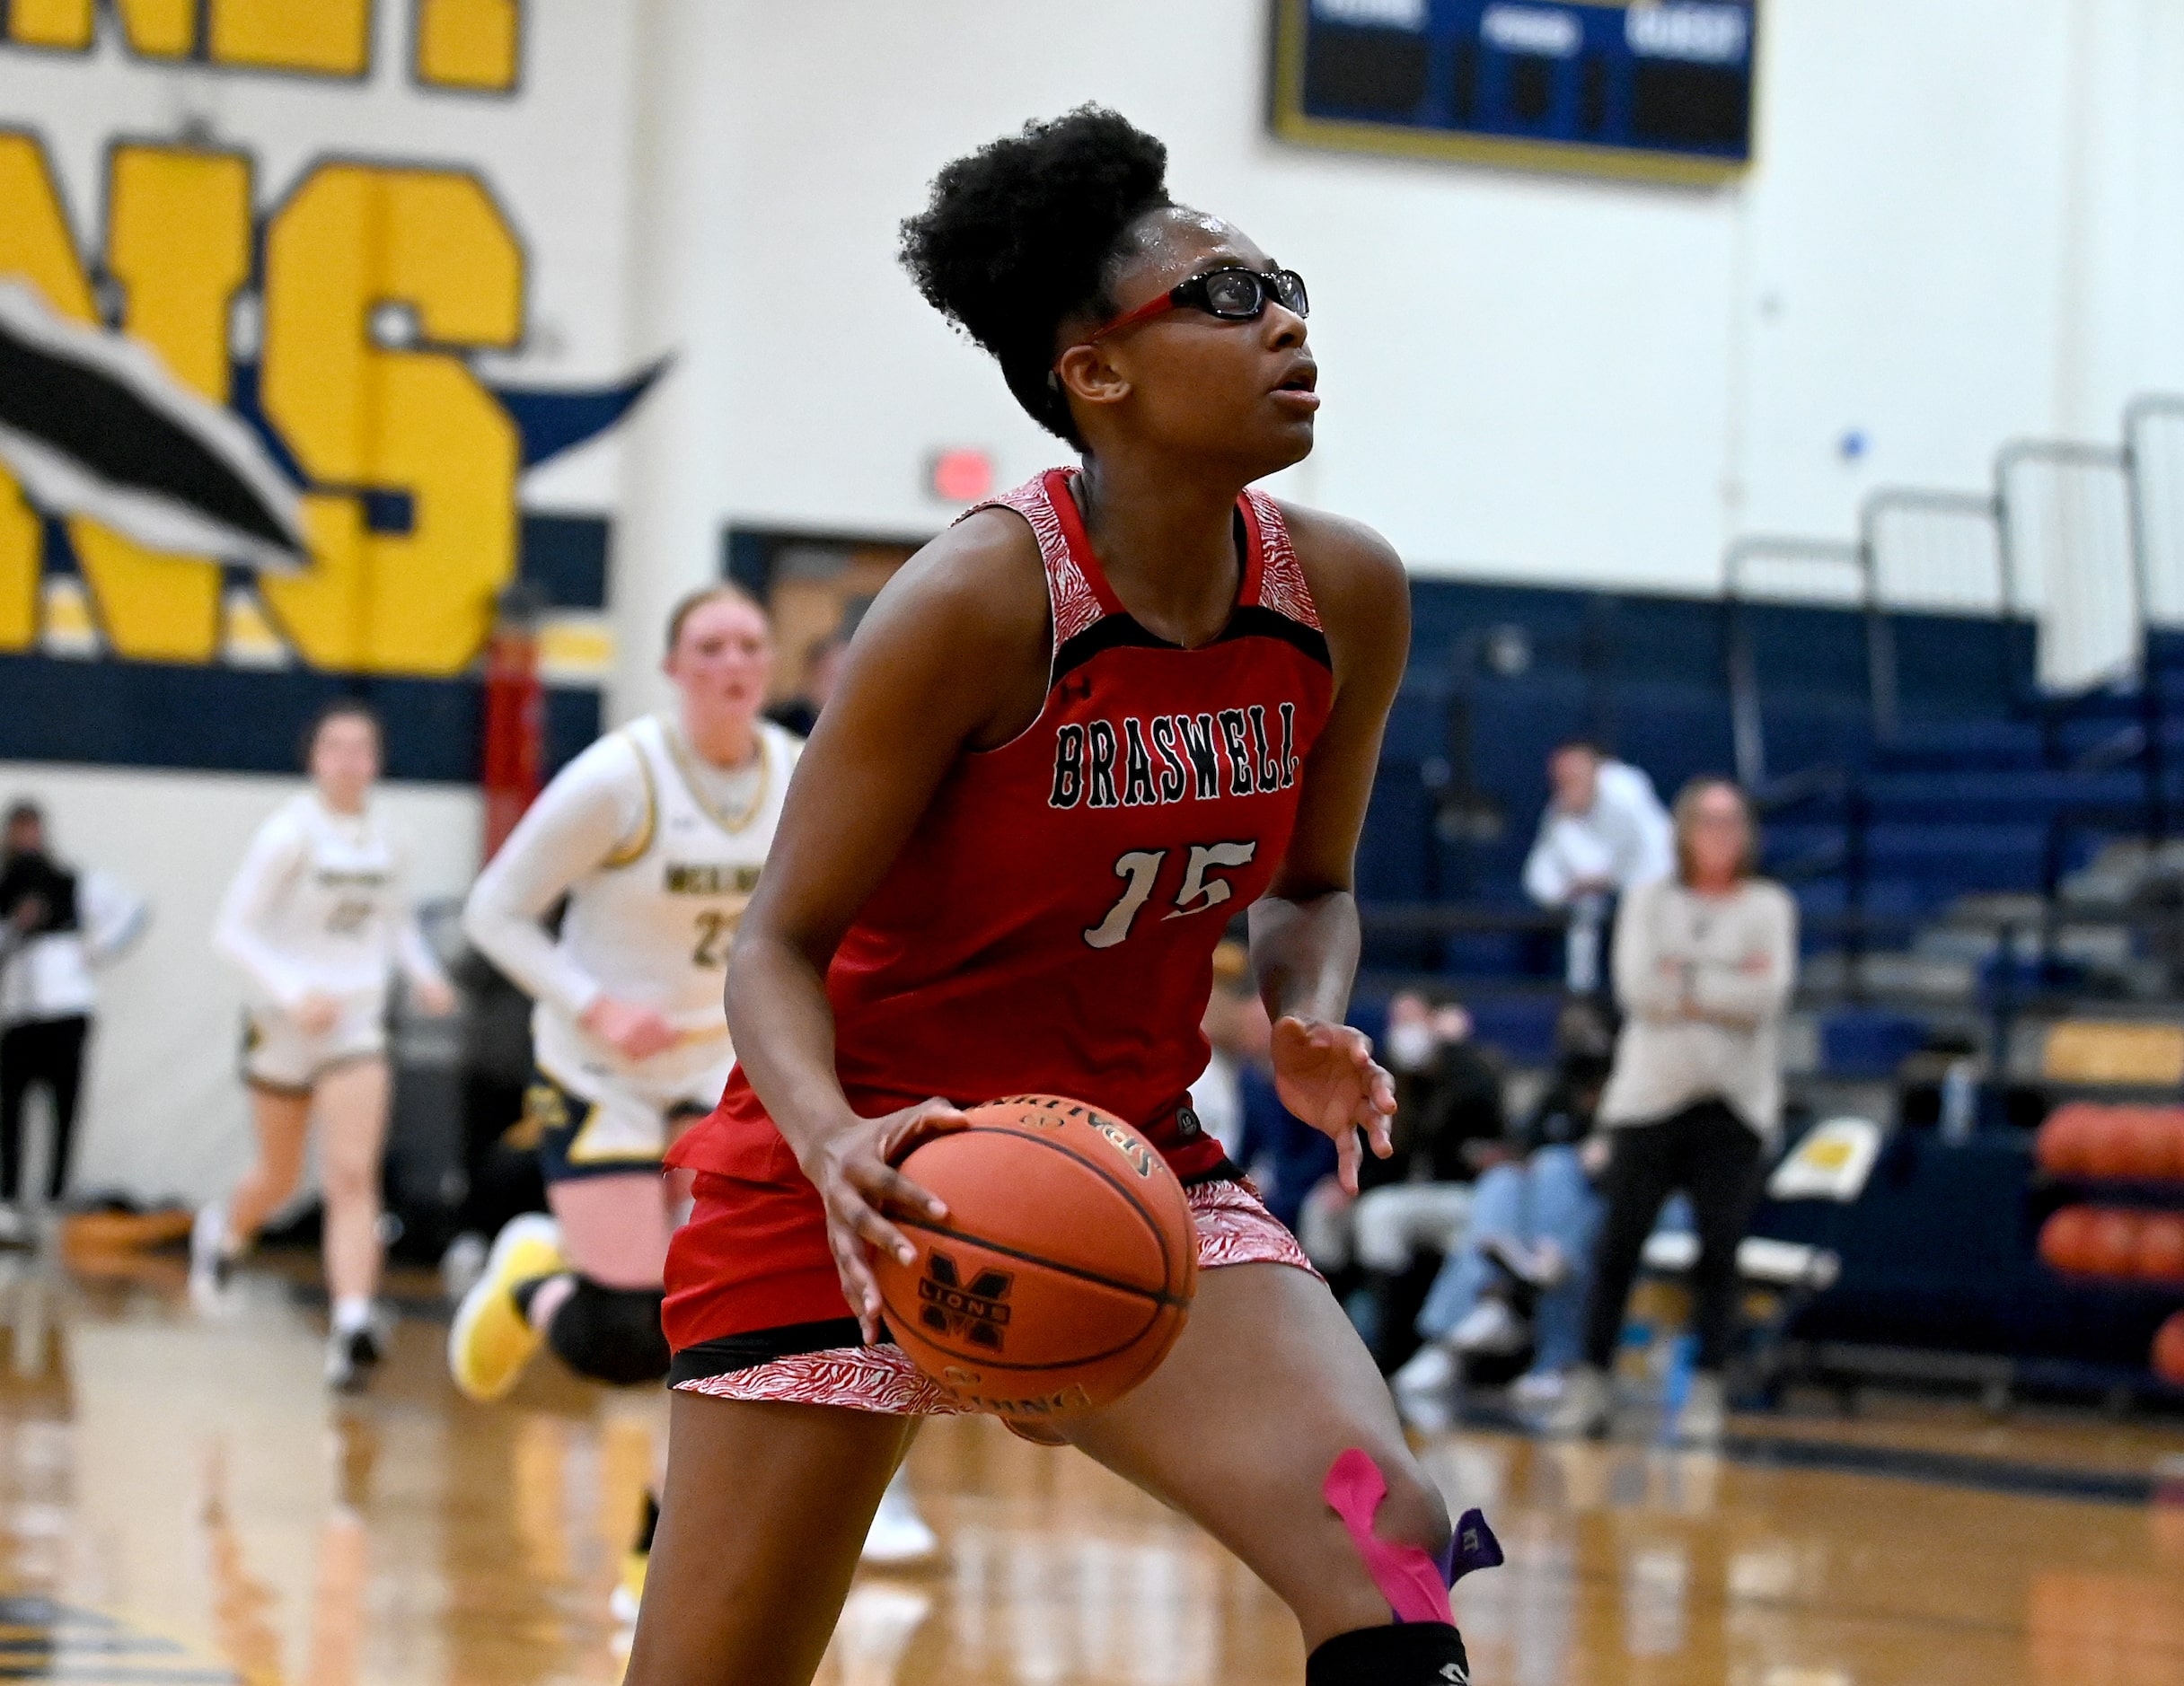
{"x":2110,"y":1147}
{"x":2169,"y":1351}
{"x":1066,"y":1267}
{"x":2064,"y":1146}
{"x":2161,"y":1247}
{"x":2169,"y":1164}
{"x":2067,"y":1239}
{"x":2112,"y":1242}
{"x":2142,"y":1143}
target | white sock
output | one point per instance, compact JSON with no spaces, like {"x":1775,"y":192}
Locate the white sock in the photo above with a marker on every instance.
{"x":352,"y":1311}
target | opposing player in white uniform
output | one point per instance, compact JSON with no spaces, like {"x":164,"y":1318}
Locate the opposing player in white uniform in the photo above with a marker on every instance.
{"x":653,"y":836}
{"x":319,"y":917}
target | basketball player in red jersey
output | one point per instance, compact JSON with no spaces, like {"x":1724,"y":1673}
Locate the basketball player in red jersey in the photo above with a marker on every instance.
{"x":1074,"y":735}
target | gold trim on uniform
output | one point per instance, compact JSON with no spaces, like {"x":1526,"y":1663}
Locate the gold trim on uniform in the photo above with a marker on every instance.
{"x":544,"y":1109}
{"x":672,"y":736}
{"x":551,"y":1104}
{"x":632,"y":851}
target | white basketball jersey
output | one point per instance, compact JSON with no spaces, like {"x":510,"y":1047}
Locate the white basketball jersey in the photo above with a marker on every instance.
{"x":332,"y":909}
{"x":654,"y":924}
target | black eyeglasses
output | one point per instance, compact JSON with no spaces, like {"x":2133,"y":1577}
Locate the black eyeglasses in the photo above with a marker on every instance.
{"x":1234,"y":295}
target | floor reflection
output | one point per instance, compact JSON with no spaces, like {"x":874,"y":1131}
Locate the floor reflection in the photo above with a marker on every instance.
{"x":180,"y":1505}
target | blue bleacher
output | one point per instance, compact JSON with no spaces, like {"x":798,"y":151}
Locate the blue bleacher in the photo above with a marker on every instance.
{"x":1868,"y":1041}
{"x":2000,"y":745}
{"x":1963,"y":797}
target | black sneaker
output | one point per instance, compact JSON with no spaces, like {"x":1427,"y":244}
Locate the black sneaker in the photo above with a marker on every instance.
{"x":351,"y":1356}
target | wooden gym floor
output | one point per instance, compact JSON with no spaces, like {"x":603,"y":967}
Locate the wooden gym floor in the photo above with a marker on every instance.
{"x":180,"y":1505}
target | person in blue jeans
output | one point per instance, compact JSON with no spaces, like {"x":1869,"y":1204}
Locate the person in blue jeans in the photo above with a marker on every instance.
{"x":1533,"y":1219}
{"x":1531,"y":1224}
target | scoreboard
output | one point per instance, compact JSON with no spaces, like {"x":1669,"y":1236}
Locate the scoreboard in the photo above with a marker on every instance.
{"x":1660,"y":89}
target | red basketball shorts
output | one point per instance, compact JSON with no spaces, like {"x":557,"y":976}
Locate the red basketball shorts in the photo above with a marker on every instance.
{"x":754,"y":1310}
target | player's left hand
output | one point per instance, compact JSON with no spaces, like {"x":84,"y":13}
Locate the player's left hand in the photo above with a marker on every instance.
{"x":434,"y":997}
{"x":1326,"y":1075}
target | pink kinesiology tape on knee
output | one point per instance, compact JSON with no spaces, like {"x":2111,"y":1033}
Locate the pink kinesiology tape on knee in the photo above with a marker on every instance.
{"x":1407,"y":1576}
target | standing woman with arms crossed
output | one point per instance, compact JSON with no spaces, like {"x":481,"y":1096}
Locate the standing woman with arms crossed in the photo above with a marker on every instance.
{"x":319,"y":917}
{"x":1704,"y":965}
{"x":1074,"y":736}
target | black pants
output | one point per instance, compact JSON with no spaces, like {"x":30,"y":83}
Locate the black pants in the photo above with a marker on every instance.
{"x":1707,"y":1153}
{"x":48,"y":1051}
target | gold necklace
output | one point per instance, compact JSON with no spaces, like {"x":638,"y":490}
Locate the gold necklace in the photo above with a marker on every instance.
{"x":682,"y":755}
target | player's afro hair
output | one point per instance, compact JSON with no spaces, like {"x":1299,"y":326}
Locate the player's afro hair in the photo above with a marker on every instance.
{"x":1019,"y":234}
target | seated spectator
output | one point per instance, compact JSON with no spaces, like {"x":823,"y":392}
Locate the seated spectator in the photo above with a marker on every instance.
{"x":1603,"y":835}
{"x":1448,"y":1127}
{"x":1528,"y":1246}
{"x":1704,"y":965}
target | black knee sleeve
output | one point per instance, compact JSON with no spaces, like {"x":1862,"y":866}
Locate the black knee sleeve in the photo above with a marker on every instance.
{"x":1408,"y":1654}
{"x":610,"y":1334}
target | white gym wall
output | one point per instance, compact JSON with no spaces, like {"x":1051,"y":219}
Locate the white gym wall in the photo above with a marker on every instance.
{"x":1965,"y":223}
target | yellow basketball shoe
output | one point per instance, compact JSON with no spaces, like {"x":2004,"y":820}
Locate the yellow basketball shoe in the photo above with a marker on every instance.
{"x":629,"y":1594}
{"x":491,"y":1339}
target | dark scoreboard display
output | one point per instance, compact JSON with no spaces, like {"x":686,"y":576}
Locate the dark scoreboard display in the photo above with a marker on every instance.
{"x":1654,"y":88}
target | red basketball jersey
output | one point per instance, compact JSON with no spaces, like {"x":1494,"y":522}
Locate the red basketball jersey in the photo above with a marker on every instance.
{"x":1050,"y":926}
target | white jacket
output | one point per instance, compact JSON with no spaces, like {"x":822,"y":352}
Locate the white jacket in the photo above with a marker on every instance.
{"x":1625,"y":837}
{"x":49,"y":976}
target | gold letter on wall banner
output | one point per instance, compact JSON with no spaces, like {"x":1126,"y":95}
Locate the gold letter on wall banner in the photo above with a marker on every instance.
{"x":35,"y":247}
{"x":157,"y":29}
{"x":62,"y":23}
{"x":468,"y":43}
{"x":178,"y":239}
{"x":324,"y":38}
{"x":417,"y":422}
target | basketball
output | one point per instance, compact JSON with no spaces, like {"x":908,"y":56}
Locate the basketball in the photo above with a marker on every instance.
{"x":1065,"y":1271}
{"x":2161,"y":1247}
{"x":2112,"y":1242}
{"x":2165,"y":1158}
{"x":2065,"y":1240}
{"x":2143,"y":1142}
{"x":2065,"y":1142}
{"x":2110,"y":1145}
{"x":2169,"y":1351}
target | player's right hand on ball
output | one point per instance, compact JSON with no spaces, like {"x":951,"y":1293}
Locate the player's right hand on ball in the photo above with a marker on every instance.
{"x":854,"y":1170}
{"x":632,"y":1031}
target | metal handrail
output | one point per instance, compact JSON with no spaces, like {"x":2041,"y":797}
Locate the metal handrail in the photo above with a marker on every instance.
{"x":1747,"y":718}
{"x":1747,"y":729}
{"x":2142,"y":409}
{"x":1890,"y":500}
{"x":2062,"y":454}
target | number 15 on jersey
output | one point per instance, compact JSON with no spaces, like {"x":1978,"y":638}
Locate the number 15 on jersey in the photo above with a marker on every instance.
{"x":1139,"y":869}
